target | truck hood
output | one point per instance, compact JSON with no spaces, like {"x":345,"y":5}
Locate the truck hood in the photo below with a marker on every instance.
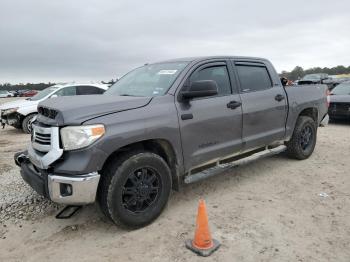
{"x":340,"y":98}
{"x":18,"y":103}
{"x":75,"y":110}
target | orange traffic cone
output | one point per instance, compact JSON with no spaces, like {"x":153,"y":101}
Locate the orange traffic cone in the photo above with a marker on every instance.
{"x":202,"y":244}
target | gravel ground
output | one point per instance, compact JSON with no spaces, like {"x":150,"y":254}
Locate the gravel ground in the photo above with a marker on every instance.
{"x":275,"y":209}
{"x":17,"y":200}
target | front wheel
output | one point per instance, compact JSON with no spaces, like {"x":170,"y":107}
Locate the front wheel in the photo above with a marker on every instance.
{"x":135,"y":189}
{"x":303,"y":141}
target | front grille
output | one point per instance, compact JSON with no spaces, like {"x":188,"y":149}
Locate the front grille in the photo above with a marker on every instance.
{"x":44,"y":139}
{"x":50,"y":113}
{"x":41,"y":138}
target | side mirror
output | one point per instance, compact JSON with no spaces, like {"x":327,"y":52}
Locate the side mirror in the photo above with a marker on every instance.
{"x":54,"y":96}
{"x":200,"y":89}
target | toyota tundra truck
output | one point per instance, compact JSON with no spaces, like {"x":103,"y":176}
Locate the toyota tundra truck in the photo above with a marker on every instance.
{"x":163,"y":125}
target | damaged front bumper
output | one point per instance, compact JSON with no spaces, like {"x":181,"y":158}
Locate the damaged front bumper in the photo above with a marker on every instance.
{"x":13,"y":119}
{"x":60,"y":188}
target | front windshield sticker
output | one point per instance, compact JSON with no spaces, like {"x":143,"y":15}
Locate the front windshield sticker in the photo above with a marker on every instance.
{"x":167,"y":72}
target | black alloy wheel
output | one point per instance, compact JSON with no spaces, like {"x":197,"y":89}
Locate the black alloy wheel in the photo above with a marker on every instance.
{"x":306,"y":137}
{"x":141,"y":189}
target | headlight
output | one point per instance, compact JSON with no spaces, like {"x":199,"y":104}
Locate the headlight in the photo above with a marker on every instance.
{"x":9,"y":111}
{"x":76,"y":137}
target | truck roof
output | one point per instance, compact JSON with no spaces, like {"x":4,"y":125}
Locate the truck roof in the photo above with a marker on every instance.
{"x":201,"y":58}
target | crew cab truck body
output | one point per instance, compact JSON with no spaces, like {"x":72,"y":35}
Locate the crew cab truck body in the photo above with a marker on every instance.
{"x":162,"y":124}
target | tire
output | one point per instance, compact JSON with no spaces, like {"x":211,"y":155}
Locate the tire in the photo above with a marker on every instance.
{"x":26,"y":124}
{"x":130,"y":196}
{"x":303,"y":141}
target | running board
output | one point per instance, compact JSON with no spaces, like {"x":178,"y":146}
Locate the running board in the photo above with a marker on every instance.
{"x":220,"y":168}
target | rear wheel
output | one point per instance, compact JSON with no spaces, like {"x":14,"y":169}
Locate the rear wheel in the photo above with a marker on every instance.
{"x":135,"y":189}
{"x":303,"y":141}
{"x":27,"y":123}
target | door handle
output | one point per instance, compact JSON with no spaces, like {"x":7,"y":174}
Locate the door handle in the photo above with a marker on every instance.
{"x":279,"y":97}
{"x":234,"y":104}
{"x":186,"y":116}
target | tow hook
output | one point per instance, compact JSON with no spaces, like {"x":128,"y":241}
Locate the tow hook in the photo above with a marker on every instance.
{"x":20,"y":158}
{"x":67,"y":212}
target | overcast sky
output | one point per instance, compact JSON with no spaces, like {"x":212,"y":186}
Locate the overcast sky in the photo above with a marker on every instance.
{"x":83,"y":40}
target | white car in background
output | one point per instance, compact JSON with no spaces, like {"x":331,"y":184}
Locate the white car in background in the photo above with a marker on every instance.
{"x":20,"y":113}
{"x":5,"y":93}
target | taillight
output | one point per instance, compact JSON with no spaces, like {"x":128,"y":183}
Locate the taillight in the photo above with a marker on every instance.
{"x":328,"y":95}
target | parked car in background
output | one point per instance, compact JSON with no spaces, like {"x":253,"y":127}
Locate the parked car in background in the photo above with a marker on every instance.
{"x":295,"y":83}
{"x":13,"y":93}
{"x":30,"y":93}
{"x":20,"y":113}
{"x":339,"y":107}
{"x":311,"y":79}
{"x":334,"y":80}
{"x":20,"y":92}
{"x":5,"y":93}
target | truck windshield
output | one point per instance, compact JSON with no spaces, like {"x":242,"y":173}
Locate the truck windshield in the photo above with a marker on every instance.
{"x":43,"y":93}
{"x":148,"y":80}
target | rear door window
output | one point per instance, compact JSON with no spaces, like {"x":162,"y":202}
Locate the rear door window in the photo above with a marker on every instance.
{"x":67,"y":91}
{"x":253,"y":78}
{"x":89,"y":90}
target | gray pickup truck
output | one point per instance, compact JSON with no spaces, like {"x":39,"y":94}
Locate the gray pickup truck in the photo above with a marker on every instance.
{"x":163,"y":124}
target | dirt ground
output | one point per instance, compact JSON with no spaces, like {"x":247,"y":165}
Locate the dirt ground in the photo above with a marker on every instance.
{"x":269,"y":210}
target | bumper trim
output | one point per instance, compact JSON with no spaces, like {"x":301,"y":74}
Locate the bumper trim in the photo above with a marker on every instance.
{"x":83,"y":188}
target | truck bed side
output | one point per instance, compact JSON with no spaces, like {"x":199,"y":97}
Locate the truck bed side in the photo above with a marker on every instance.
{"x":304,"y":100}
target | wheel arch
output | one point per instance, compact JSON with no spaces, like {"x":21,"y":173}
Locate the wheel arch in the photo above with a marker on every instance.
{"x":161,"y":147}
{"x":310,"y":112}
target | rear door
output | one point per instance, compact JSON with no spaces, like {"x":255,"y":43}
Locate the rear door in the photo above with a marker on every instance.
{"x":264,"y":104}
{"x":210,"y":128}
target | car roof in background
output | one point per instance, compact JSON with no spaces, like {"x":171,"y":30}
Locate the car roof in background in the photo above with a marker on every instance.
{"x":99,"y":85}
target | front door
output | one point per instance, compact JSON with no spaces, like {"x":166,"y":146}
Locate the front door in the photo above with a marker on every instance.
{"x":210,"y":127}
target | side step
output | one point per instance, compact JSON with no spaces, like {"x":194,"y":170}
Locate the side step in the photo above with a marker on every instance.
{"x":220,"y":168}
